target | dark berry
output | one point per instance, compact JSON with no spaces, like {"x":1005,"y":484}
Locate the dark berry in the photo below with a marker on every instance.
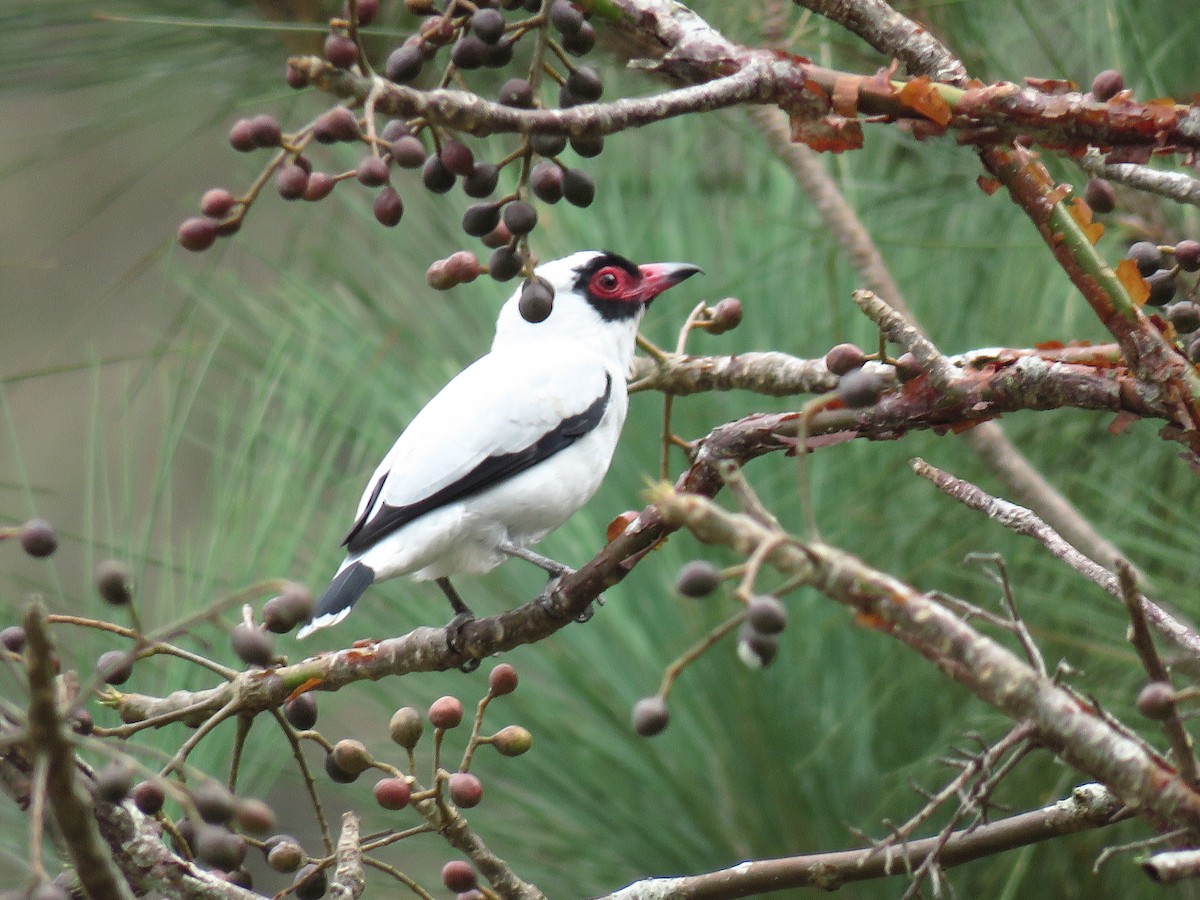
{"x":394,"y":130}
{"x":241,"y":136}
{"x":469,"y":53}
{"x":1147,"y":256}
{"x":463,"y":267}
{"x":650,"y":716}
{"x":197,"y":234}
{"x":457,"y":157}
{"x":301,"y":713}
{"x":253,"y":816}
{"x":320,"y":185}
{"x":406,"y":727}
{"x":588,"y":145}
{"x":726,"y":316}
{"x":284,"y":853}
{"x":1100,"y":195}
{"x":294,"y":604}
{"x":114,"y":782}
{"x":114,"y":667}
{"x":252,"y":645}
{"x":520,"y":217}
{"x":1162,"y":288}
{"x":368,"y":11}
{"x":488,"y":25}
{"x":338,"y":124}
{"x":341,"y":51}
{"x":1185,"y":316}
{"x":502,"y":680}
{"x":844,"y":358}
{"x":311,"y":883}
{"x":516,"y":92}
{"x":498,"y":55}
{"x":265,"y":131}
{"x":580,"y":42}
{"x":565,"y":17}
{"x":1187,"y":254}
{"x":755,"y":648}
{"x":585,"y":83}
{"x":291,"y":181}
{"x":240,"y":877}
{"x":404,"y":63}
{"x":352,"y":756}
{"x":537,"y":300}
{"x":436,"y":177}
{"x":408,"y":152}
{"x":217,"y":203}
{"x":546,"y":180}
{"x":497,"y":237}
{"x":698,"y":578}
{"x":37,"y":536}
{"x":482,"y":180}
{"x":548,"y":144}
{"x":578,"y":187}
{"x":766,"y":614}
{"x":389,"y":208}
{"x":220,"y":848}
{"x":337,"y":773}
{"x":372,"y":171}
{"x":446,"y":712}
{"x":859,"y":388}
{"x":565,"y":98}
{"x":149,"y":796}
{"x":114,"y":582}
{"x":297,"y":78}
{"x":1156,"y":700}
{"x":465,"y":790}
{"x":505,"y":264}
{"x":481,"y":218}
{"x":1107,"y":84}
{"x":82,"y":722}
{"x":214,"y":803}
{"x":392,"y":793}
{"x":458,"y":876}
{"x":512,"y":740}
{"x":13,"y":638}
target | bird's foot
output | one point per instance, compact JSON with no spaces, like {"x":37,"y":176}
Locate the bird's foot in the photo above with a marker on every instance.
{"x":454,"y":641}
{"x":549,"y":600}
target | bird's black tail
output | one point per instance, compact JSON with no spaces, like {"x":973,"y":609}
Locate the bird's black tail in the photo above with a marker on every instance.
{"x":343,"y":592}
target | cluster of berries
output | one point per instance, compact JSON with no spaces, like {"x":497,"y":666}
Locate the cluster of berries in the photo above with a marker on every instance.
{"x":482,"y":34}
{"x":1162,"y":266}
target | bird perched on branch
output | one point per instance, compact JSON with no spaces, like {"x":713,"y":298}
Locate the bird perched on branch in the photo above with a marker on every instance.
{"x":514,"y":444}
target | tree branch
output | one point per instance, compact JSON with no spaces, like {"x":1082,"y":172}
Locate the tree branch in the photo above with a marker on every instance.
{"x":1089,"y":806}
{"x":1076,"y":731}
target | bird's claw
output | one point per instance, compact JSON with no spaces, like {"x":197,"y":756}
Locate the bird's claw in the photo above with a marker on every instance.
{"x":454,"y":644}
{"x":548,"y":602}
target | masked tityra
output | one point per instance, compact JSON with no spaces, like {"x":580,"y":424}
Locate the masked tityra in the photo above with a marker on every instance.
{"x":513,"y":445}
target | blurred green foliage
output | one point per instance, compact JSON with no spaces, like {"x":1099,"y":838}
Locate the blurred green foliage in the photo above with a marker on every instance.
{"x":303,"y":345}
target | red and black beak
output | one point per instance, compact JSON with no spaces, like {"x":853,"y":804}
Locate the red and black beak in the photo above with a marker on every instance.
{"x":657,"y":277}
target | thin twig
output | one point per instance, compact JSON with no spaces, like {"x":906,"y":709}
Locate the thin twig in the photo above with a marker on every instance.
{"x":1139,"y":636}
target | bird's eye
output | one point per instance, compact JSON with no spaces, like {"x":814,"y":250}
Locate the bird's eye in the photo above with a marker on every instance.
{"x":609,"y":283}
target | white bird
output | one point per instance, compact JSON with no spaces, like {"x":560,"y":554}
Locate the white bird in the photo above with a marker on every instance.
{"x":513,"y":445}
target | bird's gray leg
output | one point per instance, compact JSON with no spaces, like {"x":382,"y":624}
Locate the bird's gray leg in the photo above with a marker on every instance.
{"x":557,"y":572}
{"x":552,"y":568}
{"x":462,"y":615}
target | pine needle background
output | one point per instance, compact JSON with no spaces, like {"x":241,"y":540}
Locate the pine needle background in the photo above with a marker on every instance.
{"x":213,"y":419}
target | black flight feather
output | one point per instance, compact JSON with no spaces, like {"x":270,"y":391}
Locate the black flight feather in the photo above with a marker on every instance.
{"x":369,"y":529}
{"x":344,"y":590}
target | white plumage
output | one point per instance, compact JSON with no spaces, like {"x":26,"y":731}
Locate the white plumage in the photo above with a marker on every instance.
{"x":513,"y":445}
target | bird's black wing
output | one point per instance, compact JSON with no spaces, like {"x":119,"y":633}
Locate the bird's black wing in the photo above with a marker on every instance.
{"x":376,"y":523}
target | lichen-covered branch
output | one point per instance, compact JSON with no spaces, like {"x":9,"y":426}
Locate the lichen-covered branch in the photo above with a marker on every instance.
{"x":67,"y":798}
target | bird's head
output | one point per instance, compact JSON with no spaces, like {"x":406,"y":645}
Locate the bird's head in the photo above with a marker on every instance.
{"x":599,"y":299}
